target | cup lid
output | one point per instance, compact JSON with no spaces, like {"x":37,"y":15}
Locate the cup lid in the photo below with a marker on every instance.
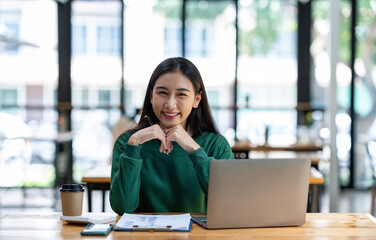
{"x":72,"y":188}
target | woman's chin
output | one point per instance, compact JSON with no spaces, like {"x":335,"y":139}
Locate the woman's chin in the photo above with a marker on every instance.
{"x":169,"y":124}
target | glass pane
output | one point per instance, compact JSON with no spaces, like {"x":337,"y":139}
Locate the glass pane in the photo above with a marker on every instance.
{"x":267,"y":71}
{"x":93,"y":139}
{"x":96,"y":81}
{"x":321,"y":77}
{"x":365,"y":91}
{"x":210,"y":45}
{"x":152,"y":32}
{"x":28,"y":81}
{"x":28,"y":31}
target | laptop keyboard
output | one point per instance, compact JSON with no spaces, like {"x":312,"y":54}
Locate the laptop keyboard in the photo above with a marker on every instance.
{"x":200,"y":220}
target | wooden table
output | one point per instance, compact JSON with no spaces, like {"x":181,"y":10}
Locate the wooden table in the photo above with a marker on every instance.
{"x":315,"y":157}
{"x":267,"y":147}
{"x":100,"y":179}
{"x":241,"y":150}
{"x":318,"y":226}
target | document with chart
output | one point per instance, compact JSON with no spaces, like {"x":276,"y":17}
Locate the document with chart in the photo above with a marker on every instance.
{"x":141,"y":222}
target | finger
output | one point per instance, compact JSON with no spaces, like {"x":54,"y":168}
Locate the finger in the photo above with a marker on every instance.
{"x":161,"y":148}
{"x":169,"y":130}
{"x":170,"y":147}
{"x":171,"y":134}
{"x":163,"y":145}
{"x":166,"y":147}
{"x":166,"y":131}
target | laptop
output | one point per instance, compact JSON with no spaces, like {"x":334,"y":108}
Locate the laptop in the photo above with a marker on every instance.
{"x":257,"y":193}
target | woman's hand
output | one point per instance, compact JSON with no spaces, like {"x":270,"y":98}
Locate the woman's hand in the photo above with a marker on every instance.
{"x":147,"y":134}
{"x":179,"y":135}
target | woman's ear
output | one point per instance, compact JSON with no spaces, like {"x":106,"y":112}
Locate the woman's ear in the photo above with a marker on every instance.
{"x":197,"y":100}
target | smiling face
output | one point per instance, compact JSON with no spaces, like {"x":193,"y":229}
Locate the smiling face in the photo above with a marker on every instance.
{"x":173,"y":98}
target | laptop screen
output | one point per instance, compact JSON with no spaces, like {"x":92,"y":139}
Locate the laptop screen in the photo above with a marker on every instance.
{"x":257,"y":192}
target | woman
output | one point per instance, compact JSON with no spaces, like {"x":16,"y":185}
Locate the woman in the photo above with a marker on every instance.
{"x":163,"y":164}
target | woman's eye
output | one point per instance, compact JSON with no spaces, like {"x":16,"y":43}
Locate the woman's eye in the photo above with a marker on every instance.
{"x":162,"y":93}
{"x":182,"y":94}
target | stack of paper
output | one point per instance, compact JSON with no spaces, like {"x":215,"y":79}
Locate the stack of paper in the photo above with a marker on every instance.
{"x":140,"y":222}
{"x":91,"y":217}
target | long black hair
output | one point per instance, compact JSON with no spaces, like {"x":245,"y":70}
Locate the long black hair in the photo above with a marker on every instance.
{"x":200,"y":120}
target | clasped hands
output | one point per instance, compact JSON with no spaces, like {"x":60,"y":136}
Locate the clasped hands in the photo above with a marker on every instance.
{"x":166,"y":136}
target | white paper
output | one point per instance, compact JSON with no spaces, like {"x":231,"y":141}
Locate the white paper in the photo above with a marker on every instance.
{"x":91,"y":217}
{"x":179,"y":222}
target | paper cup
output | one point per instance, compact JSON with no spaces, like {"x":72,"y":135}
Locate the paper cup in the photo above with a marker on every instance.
{"x":71,"y":199}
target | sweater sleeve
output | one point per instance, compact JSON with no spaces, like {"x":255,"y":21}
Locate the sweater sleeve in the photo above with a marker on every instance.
{"x":220,"y":149}
{"x":125,"y":176}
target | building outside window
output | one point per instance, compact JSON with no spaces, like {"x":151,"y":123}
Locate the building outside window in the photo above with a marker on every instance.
{"x":28,"y":81}
{"x":96,"y":77}
{"x":79,"y":40}
{"x":172,"y":39}
{"x":108,"y":40}
{"x":267,"y":71}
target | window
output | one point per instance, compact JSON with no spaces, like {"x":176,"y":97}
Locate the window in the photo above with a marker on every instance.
{"x":104,"y":97}
{"x":85,"y":97}
{"x":10,"y":30}
{"x":152,"y":32}
{"x":9,"y":96}
{"x":28,"y":74}
{"x":173,"y":39}
{"x":12,"y":36}
{"x":198,"y":41}
{"x":108,"y":40}
{"x":79,"y":40}
{"x":321,"y":75}
{"x":210,"y":44}
{"x":96,"y":70}
{"x":267,"y":98}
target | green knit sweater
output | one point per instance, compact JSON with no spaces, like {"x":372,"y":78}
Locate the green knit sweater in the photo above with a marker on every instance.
{"x":145,"y":180}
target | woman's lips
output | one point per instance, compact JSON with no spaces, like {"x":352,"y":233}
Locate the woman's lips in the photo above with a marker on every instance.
{"x":170,"y":115}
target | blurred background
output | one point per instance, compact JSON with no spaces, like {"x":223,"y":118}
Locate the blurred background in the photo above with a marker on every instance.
{"x":72,"y":71}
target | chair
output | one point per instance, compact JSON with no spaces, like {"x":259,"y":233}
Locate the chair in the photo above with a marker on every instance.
{"x":373,"y":187}
{"x":373,"y":198}
{"x":99,"y":178}
{"x":122,"y":125}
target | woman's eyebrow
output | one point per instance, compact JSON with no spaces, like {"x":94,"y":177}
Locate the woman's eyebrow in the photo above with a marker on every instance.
{"x":160,"y":87}
{"x":179,"y":89}
{"x":183,"y":89}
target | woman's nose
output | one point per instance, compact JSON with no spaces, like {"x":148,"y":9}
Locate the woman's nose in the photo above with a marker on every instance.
{"x":171,"y":103}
